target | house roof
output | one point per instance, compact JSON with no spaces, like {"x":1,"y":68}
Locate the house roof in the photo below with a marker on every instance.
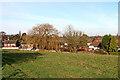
{"x":89,"y":41}
{"x":10,"y":42}
{"x":96,"y":43}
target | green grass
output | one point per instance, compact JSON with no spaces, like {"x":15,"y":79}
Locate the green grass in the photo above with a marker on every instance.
{"x":30,"y":64}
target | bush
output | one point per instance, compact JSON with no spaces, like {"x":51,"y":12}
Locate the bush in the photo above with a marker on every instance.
{"x":114,"y":53}
{"x":100,"y":51}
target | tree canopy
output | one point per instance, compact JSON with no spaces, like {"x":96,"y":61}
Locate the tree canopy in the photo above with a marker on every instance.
{"x":109,"y":43}
{"x":45,"y":35}
{"x":105,"y":42}
{"x":75,"y":39}
{"x":113,"y":44}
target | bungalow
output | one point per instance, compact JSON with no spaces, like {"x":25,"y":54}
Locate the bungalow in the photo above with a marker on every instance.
{"x":95,"y":44}
{"x":24,"y":45}
{"x":10,"y":43}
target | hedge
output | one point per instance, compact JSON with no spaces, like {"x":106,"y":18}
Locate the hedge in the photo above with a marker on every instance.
{"x":114,"y":53}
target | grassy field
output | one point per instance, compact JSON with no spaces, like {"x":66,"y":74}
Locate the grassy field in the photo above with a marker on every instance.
{"x":30,"y":64}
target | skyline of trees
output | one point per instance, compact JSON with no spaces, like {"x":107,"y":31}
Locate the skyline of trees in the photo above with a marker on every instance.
{"x":45,"y":36}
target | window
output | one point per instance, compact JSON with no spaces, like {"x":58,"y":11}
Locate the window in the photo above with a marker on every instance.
{"x":66,"y":44}
{"x":12,"y":45}
{"x":8,"y":44}
{"x":5,"y":44}
{"x":61,"y":46}
{"x":29,"y":45}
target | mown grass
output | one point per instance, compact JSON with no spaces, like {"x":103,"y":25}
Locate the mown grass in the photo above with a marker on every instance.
{"x":30,"y":64}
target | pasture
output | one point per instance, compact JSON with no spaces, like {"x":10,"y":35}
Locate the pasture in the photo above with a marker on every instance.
{"x":30,"y":64}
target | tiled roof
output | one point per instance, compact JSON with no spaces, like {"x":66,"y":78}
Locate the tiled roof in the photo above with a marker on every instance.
{"x":10,"y":42}
{"x":96,"y":43}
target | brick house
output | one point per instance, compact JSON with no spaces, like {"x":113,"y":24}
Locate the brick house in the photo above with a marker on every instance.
{"x":95,"y":43}
{"x":25,"y":45}
{"x":10,"y":43}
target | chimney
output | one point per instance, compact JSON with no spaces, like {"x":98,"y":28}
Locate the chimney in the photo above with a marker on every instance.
{"x":8,"y":38}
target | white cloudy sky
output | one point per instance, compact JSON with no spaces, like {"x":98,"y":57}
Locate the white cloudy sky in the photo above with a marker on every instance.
{"x":93,"y":18}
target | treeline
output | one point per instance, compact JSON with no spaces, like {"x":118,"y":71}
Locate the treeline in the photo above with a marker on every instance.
{"x":45,"y":36}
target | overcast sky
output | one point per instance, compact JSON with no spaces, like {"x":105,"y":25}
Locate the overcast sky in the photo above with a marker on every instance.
{"x":93,"y":18}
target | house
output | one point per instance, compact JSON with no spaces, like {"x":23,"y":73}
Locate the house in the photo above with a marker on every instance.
{"x":95,"y":43}
{"x":24,"y":45}
{"x":89,"y":41}
{"x":10,"y":43}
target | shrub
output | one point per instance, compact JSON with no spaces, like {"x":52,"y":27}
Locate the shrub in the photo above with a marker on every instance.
{"x":114,"y":53}
{"x":100,"y":51}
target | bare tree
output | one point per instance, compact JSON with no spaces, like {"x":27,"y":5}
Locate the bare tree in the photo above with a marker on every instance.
{"x":75,"y":39}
